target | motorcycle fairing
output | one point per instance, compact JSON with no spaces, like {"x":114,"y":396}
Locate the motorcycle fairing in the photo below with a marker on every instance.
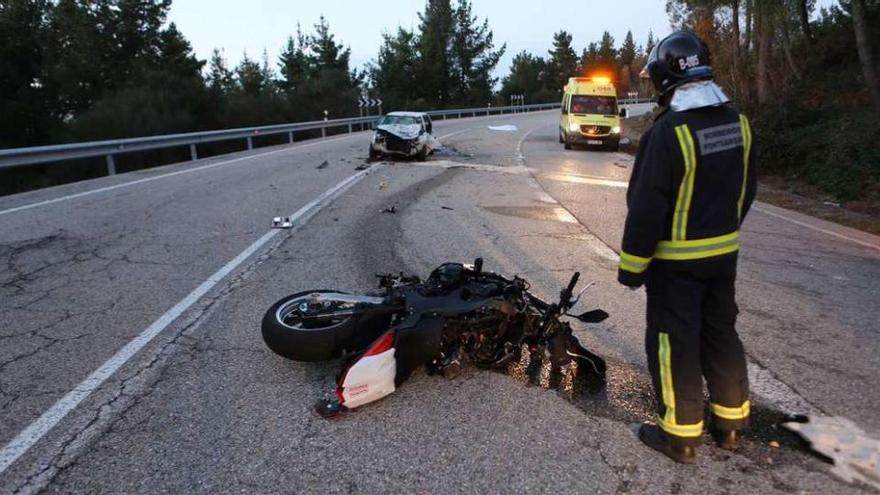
{"x":372,"y":376}
{"x":388,"y":362}
{"x":416,"y":346}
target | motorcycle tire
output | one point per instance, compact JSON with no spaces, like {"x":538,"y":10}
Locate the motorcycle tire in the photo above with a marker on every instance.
{"x":299,"y":342}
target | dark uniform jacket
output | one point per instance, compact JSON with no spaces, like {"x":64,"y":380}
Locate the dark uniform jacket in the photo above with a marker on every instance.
{"x":692,"y":184}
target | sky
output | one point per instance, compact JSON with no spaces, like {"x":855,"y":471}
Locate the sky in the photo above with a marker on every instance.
{"x":256,"y":25}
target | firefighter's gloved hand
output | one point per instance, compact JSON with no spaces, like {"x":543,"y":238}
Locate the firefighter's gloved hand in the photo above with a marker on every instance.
{"x":631,"y":280}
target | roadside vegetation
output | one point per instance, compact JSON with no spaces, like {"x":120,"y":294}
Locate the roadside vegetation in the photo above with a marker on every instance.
{"x":808,"y":80}
{"x":75,"y":70}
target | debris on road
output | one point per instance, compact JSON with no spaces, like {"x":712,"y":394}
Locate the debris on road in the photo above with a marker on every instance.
{"x":362,"y":166}
{"x":621,"y":165}
{"x":282,"y":223}
{"x":390,"y":209}
{"x":773,"y":444}
{"x":855,"y":455}
{"x":503,"y":128}
{"x":446,"y":208}
{"x":323,"y":165}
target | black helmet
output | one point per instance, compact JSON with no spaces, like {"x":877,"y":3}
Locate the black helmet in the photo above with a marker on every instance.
{"x":678,"y":58}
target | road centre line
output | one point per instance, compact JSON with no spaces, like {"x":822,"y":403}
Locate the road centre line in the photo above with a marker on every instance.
{"x":28,"y":437}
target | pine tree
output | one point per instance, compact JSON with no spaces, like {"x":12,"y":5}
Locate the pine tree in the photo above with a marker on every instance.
{"x":293,"y":63}
{"x":473,"y":57}
{"x":526,"y":78}
{"x":607,"y":54}
{"x":563,"y":62}
{"x":627,"y":52}
{"x":221,"y":80}
{"x":590,"y":59}
{"x":650,"y":44}
{"x":252,"y":77}
{"x":394,"y":70}
{"x":23,"y":106}
{"x":434,"y":78}
{"x":325,"y":52}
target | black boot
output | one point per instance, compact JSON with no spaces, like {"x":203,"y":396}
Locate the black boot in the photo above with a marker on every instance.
{"x":653,"y":436}
{"x":726,"y":439}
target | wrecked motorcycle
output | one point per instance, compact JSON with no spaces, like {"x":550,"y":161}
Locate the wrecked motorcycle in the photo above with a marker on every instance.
{"x":460,"y":315}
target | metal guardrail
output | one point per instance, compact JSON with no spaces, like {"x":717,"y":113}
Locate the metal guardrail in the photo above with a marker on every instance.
{"x":20,"y":157}
{"x":635,"y":101}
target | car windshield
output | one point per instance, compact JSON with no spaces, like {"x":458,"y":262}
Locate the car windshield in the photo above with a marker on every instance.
{"x":599,"y":105}
{"x":398,"y":120}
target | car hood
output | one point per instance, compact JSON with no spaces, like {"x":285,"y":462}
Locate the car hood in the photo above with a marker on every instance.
{"x":410,"y":131}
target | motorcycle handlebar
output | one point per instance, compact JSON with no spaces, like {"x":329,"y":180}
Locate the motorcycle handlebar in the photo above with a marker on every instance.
{"x":573,"y":282}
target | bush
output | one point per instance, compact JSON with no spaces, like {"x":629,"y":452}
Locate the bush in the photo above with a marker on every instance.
{"x":834,"y":149}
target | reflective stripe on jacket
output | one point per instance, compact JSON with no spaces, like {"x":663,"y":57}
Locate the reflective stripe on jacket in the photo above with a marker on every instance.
{"x":692,"y":184}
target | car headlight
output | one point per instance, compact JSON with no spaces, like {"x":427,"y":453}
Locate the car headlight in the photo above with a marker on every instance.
{"x":615,"y":129}
{"x":573,"y":127}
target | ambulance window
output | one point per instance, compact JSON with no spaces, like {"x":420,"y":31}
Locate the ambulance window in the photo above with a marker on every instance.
{"x":596,"y":105}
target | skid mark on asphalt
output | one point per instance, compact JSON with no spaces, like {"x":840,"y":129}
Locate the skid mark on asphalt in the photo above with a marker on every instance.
{"x":28,"y":437}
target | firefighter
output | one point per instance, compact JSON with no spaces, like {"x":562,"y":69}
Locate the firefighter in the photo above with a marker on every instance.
{"x":692,"y":185}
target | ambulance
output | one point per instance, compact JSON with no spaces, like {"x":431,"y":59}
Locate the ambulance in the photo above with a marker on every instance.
{"x":589,"y":113}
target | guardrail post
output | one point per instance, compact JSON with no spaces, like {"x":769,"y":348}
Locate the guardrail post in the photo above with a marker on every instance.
{"x":250,"y":142}
{"x":111,"y":165}
{"x":193,"y":152}
{"x":290,"y":137}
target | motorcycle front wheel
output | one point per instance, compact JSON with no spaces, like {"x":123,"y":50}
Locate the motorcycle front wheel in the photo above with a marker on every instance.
{"x":303,"y":328}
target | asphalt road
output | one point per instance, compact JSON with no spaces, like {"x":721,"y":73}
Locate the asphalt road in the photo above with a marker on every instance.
{"x":203,"y":406}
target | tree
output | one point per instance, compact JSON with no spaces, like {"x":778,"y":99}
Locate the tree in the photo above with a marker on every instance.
{"x":651,"y":43}
{"x":253,"y":78}
{"x":627,"y":52}
{"x":23,"y":98}
{"x":607,"y":54}
{"x":526,"y":77}
{"x":563,"y":62}
{"x":394,"y":70}
{"x":866,"y":55}
{"x":221,"y":80}
{"x":434,"y":78}
{"x":590,"y":58}
{"x":472,"y":56}
{"x":293,"y":64}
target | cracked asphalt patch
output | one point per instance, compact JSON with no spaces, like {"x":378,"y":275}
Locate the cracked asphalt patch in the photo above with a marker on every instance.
{"x":207,"y":408}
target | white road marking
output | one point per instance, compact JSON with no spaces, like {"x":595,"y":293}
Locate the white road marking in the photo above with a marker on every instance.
{"x":51,"y":417}
{"x":817,"y":229}
{"x":187,"y":171}
{"x":762,"y":382}
{"x":585,"y":179}
{"x":171,"y":174}
{"x":456,"y":133}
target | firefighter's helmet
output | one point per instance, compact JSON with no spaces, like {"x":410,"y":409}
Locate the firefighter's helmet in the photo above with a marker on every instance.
{"x":678,"y":58}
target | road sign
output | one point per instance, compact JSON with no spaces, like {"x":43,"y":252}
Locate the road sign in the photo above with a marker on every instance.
{"x":364,"y":101}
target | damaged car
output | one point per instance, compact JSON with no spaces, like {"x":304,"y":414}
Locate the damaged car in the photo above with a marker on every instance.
{"x":403,"y":134}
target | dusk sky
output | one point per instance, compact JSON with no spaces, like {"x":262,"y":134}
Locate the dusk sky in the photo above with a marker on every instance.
{"x":256,"y":25}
